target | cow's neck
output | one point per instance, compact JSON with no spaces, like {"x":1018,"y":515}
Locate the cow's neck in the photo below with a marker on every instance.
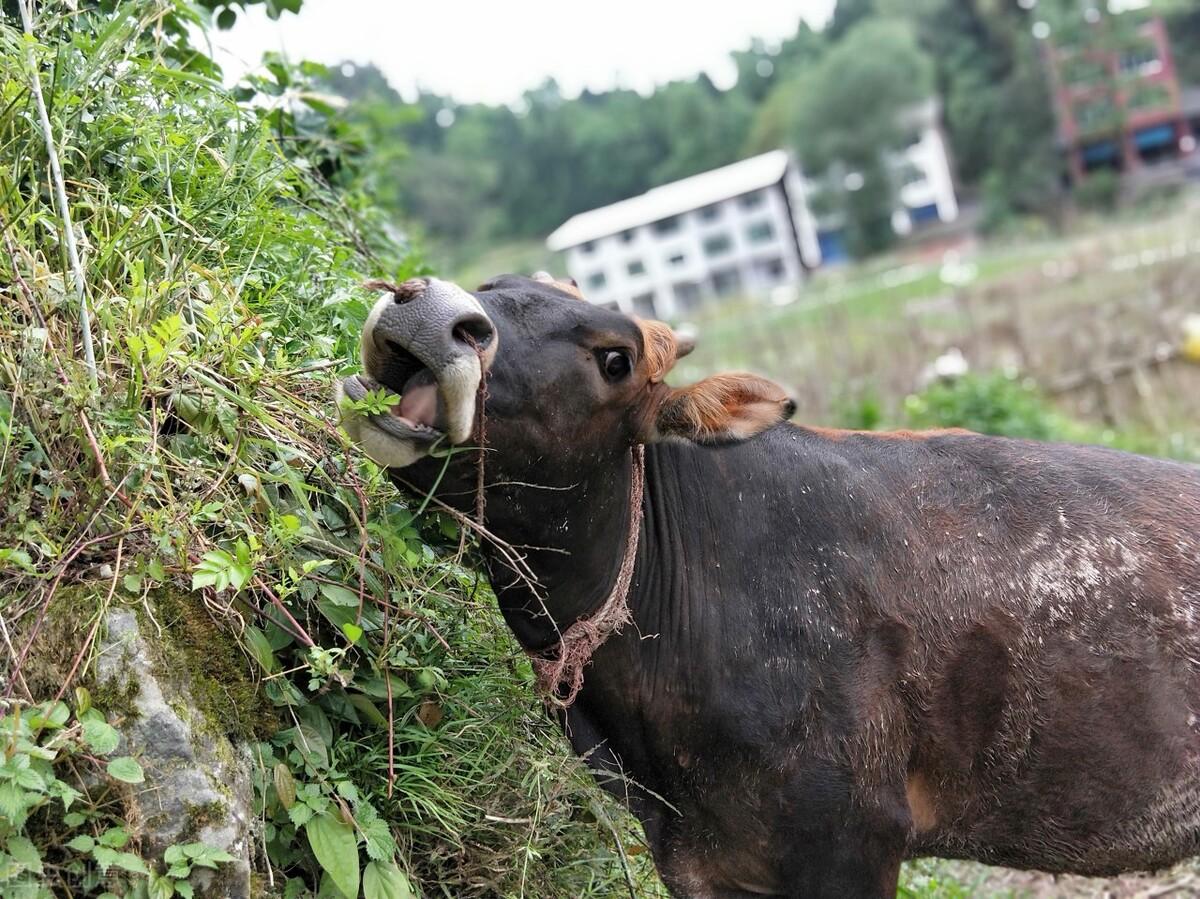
{"x":573,"y":537}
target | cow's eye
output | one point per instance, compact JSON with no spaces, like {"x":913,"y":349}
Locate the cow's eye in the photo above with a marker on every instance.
{"x":615,"y":364}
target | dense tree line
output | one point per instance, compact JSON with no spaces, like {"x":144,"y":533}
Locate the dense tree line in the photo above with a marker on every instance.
{"x":474,"y":174}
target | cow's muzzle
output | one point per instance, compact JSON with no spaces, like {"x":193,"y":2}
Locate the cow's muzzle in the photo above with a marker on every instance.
{"x":426,"y":344}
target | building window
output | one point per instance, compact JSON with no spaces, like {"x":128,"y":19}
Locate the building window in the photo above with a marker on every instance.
{"x":752,"y":201}
{"x":635,"y":267}
{"x":1140,"y":60}
{"x":687,"y":296}
{"x":760,"y":232}
{"x":770,"y":270}
{"x":726,"y":281}
{"x":667,"y":225}
{"x":596,"y":280}
{"x":1100,"y":154}
{"x":676,"y":259}
{"x":588,"y":248}
{"x":628,"y":236}
{"x":717,"y":244}
{"x":643,"y":305}
{"x":710,"y":213}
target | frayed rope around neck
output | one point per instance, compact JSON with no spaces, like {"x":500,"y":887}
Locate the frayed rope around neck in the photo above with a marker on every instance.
{"x":560,"y":676}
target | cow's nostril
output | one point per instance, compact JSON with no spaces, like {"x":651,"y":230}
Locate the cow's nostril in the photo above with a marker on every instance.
{"x":475,"y":331}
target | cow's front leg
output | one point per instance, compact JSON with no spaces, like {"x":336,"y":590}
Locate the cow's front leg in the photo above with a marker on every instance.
{"x":849,"y":881}
{"x":848,"y":865}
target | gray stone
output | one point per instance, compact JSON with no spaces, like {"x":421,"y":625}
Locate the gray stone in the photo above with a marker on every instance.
{"x":198,"y":787}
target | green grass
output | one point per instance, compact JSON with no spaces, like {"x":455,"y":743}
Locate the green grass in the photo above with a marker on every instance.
{"x":222,"y":273}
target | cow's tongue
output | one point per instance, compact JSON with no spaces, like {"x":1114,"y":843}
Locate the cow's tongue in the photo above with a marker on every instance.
{"x":419,"y":402}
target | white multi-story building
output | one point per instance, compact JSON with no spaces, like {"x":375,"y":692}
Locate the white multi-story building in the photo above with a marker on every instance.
{"x":734,"y":230}
{"x":743,"y":229}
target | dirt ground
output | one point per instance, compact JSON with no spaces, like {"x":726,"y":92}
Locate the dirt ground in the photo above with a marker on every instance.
{"x":1002,"y":883}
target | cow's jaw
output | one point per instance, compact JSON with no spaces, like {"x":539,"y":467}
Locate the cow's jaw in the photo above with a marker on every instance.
{"x":430,"y":380}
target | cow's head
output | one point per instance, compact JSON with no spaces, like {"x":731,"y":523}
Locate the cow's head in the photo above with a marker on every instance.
{"x":567,"y":382}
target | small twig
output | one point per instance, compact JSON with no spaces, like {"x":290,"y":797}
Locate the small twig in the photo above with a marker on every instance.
{"x":387,"y":679}
{"x":304,"y":369}
{"x":60,"y":190}
{"x":278,"y":603}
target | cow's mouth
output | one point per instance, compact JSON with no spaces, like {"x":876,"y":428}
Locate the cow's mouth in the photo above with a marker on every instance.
{"x":412,"y":411}
{"x":425,"y":347}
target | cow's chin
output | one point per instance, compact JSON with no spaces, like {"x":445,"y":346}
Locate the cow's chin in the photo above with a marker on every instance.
{"x":420,"y":420}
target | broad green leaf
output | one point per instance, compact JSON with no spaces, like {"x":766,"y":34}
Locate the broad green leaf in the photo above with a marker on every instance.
{"x":100,"y":736}
{"x":82,"y":843}
{"x":352,"y":631}
{"x":126,"y":769}
{"x":285,"y":785}
{"x":53,"y":717}
{"x":115,"y":838}
{"x":206,"y":856}
{"x":368,"y":709}
{"x":260,"y":648}
{"x":382,"y":880}
{"x":14,"y":803}
{"x":380,"y":843}
{"x":339,"y":595}
{"x":336,"y":849}
{"x":300,"y":814}
{"x":126,"y":861}
{"x":25,"y":854}
{"x":312,"y":745}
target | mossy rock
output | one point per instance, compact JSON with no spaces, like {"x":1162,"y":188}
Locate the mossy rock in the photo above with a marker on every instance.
{"x":198,"y":785}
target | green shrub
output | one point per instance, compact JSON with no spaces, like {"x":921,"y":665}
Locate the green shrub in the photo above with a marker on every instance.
{"x":990,"y":404}
{"x":1098,"y":191}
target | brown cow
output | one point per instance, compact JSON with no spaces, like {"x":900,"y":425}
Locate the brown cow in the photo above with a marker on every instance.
{"x":845,"y":649}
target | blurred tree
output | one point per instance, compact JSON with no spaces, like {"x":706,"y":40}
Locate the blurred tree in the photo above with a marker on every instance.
{"x":847,"y":14}
{"x":847,"y":112}
{"x":996,"y":101}
{"x":1183,"y":24}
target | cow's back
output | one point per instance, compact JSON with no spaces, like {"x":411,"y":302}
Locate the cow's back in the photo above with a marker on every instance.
{"x":1053,"y":674}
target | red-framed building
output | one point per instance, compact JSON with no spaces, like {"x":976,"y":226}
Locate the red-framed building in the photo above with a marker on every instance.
{"x":1119,"y":101}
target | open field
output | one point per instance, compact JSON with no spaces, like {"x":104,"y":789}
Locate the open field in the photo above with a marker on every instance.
{"x":1096,"y":319}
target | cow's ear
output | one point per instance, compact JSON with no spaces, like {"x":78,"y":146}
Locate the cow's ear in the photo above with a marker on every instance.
{"x":722,"y":408}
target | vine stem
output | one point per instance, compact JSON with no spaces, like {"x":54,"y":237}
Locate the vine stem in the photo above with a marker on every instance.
{"x":60,"y":190}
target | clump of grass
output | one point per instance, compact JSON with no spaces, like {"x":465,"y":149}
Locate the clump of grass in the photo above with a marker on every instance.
{"x":205,"y":482}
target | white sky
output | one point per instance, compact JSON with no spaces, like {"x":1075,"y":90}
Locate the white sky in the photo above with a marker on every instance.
{"x":492,"y":51}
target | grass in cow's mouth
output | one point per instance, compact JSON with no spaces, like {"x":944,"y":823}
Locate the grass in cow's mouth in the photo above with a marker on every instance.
{"x":383,"y":406}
